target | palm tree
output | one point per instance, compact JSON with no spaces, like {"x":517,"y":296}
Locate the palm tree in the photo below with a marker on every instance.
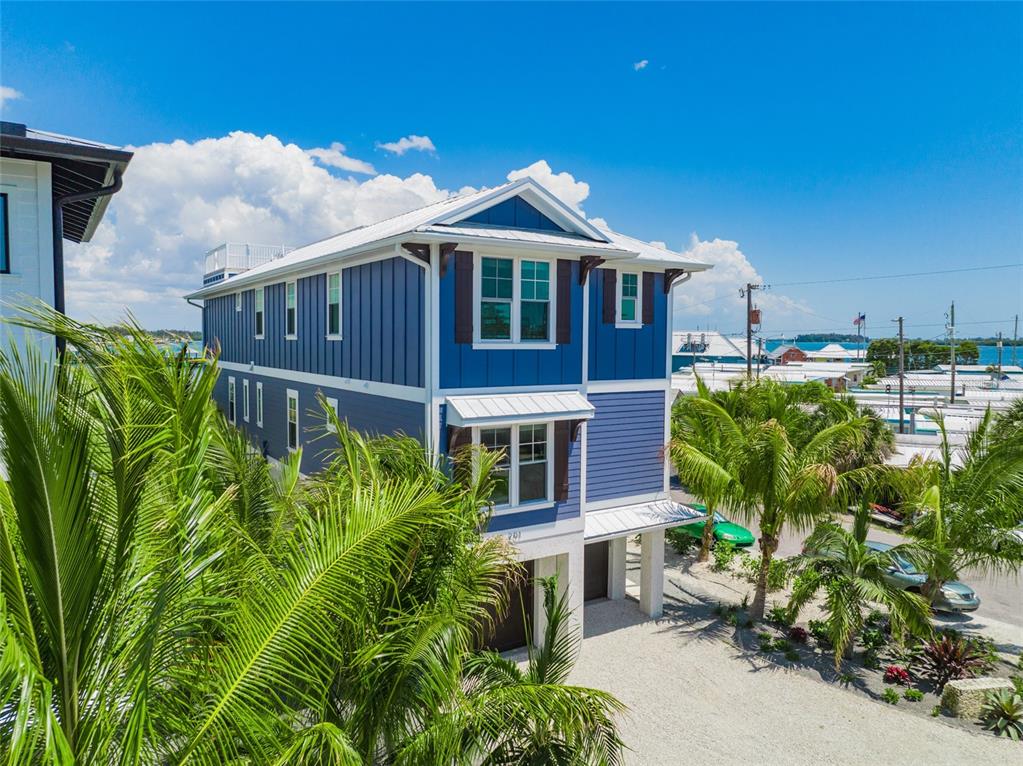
{"x":166,"y":598}
{"x":853,"y":578}
{"x":964,"y":506}
{"x":788,"y":469}
{"x":701,"y":452}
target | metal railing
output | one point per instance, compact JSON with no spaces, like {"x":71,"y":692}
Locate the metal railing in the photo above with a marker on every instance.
{"x":240,"y":256}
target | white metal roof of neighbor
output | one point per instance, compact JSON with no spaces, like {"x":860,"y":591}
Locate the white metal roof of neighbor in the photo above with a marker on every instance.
{"x":500,"y":409}
{"x":644,"y":517}
{"x":440,"y":217}
{"x":836,"y":351}
{"x":716,"y":343}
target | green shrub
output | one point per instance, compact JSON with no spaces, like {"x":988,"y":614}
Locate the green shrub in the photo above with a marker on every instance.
{"x":875,"y":619}
{"x":873,"y":639}
{"x":846,"y":678}
{"x":765,"y":636}
{"x":935,"y":711}
{"x":792,"y":655}
{"x":780,"y":615}
{"x":819,"y":630}
{"x":782,"y":645}
{"x":870,"y":660}
{"x":724,"y":553}
{"x":890,"y":695}
{"x":682,"y":543}
{"x":1003,"y":714}
{"x":779,"y":572}
{"x":913,"y":695}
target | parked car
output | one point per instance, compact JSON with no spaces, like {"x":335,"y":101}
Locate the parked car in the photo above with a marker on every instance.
{"x":724,"y":530}
{"x":955,"y":596}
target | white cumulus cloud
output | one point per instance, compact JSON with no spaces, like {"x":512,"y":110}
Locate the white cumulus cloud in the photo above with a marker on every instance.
{"x":563,"y":185}
{"x":409,"y":143}
{"x":9,"y":94}
{"x":335,"y":157}
{"x":641,"y":65}
{"x":182,"y":198}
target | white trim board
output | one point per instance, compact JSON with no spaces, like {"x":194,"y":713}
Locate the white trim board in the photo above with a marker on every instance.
{"x":628,"y":386}
{"x":389,"y":390}
{"x":615,"y":502}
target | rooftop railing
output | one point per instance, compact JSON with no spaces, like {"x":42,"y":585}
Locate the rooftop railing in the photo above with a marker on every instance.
{"x":236,"y":256}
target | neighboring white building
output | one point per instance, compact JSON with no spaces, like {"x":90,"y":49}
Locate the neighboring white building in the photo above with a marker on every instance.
{"x":833,"y":352}
{"x":52,"y":188}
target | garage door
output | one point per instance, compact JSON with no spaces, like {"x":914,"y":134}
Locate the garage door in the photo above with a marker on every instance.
{"x":512,"y":632}
{"x":595,"y":571}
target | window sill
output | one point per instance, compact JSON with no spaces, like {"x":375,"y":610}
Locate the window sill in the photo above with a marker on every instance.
{"x":334,"y":337}
{"x":619,"y":325}
{"x":509,"y":345}
{"x":258,"y":337}
{"x":258,"y":424}
{"x":290,"y":337}
{"x":507,"y":510}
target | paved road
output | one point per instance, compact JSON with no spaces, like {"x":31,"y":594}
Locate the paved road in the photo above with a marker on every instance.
{"x":1001,"y":596}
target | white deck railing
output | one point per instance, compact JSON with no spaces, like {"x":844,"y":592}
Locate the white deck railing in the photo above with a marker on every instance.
{"x":236,"y":255}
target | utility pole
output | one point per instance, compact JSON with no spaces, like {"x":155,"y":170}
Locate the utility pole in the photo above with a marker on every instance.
{"x":1015,"y":339}
{"x":902,"y":380}
{"x":952,"y":338}
{"x":999,"y":355}
{"x":748,"y":294}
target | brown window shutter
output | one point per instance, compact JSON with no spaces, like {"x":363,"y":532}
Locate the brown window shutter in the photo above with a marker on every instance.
{"x":564,"y":334}
{"x":463,"y":297}
{"x":610,"y":295}
{"x":648,"y":297}
{"x":562,"y":440}
{"x":458,"y":439}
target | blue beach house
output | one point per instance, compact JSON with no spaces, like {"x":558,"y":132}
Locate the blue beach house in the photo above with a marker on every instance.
{"x":499,"y":318}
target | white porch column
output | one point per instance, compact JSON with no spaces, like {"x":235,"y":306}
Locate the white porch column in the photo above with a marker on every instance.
{"x":542,"y":568}
{"x":570,"y":576}
{"x":616,"y":567}
{"x":651,"y":573}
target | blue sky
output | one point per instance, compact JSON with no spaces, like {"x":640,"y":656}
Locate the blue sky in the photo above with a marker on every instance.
{"x":816,"y":141}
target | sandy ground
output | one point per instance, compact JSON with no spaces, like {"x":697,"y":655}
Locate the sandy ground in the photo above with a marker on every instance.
{"x":695,"y":696}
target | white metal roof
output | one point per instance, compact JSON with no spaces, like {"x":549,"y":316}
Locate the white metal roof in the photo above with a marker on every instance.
{"x":424,"y":220}
{"x":644,"y":517}
{"x":835,"y":351}
{"x":500,"y":409}
{"x":717,"y":344}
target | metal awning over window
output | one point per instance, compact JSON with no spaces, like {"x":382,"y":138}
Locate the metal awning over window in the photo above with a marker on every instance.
{"x":501,"y":409}
{"x":632,"y":519}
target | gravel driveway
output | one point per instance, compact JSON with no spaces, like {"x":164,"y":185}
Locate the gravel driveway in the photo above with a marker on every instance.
{"x":695,"y":697}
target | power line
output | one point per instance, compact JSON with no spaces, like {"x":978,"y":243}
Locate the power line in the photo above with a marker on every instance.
{"x":898,"y":276}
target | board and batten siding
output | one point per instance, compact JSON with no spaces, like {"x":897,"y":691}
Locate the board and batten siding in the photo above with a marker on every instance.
{"x":462,"y":366}
{"x":27,"y":185}
{"x":369,"y":414}
{"x":381,"y":323}
{"x":625,"y":443}
{"x":639,"y":353}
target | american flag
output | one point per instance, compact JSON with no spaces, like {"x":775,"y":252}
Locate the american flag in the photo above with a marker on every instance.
{"x":860,"y":319}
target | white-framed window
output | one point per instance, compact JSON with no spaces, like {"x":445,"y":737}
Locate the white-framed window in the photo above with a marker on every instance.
{"x":259,"y":403}
{"x":245,"y":399}
{"x":514,"y":301}
{"x":290,"y":310}
{"x":258,"y":301}
{"x":334,"y":306}
{"x":232,"y":403}
{"x":630,"y":300}
{"x":292,"y":420}
{"x":237,"y":301}
{"x":332,"y":403}
{"x":524,"y":476}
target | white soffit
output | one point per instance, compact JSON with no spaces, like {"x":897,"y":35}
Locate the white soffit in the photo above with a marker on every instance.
{"x":644,"y":517}
{"x":501,"y":409}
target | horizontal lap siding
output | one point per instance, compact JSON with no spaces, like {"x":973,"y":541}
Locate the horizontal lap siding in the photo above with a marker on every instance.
{"x":366,"y":413}
{"x":382,"y":326}
{"x":625,"y":443}
{"x":628,"y":354}
{"x":463,"y":367}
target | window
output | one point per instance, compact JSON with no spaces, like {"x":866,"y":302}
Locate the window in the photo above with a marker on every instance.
{"x":291,"y":311}
{"x":524,"y":474}
{"x":534,"y":308}
{"x":496,"y":295}
{"x":245,"y":400}
{"x":332,"y":403}
{"x":259,"y":404}
{"x":334,"y":305}
{"x":257,"y":302}
{"x":292,"y":420}
{"x":5,"y":255}
{"x":629,"y":298}
{"x":237,"y":301}
{"x":231,"y":400}
{"x":515,"y":298}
